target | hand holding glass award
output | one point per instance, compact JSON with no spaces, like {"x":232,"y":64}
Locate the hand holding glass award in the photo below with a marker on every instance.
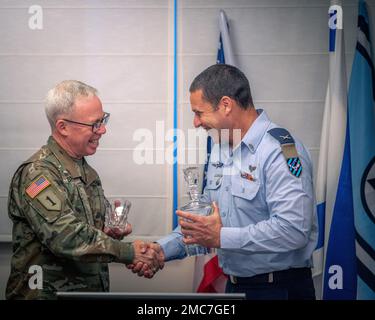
{"x":196,"y":206}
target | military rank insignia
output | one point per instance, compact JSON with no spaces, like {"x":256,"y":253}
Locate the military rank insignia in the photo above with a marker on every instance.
{"x":37,"y":186}
{"x":288,"y":149}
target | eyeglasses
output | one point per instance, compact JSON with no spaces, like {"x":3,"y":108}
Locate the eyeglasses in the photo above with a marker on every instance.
{"x":94,"y":126}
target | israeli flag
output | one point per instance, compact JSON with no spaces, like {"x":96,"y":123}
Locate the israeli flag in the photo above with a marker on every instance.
{"x":335,"y":254}
{"x":362,"y":136}
{"x":225,"y":52}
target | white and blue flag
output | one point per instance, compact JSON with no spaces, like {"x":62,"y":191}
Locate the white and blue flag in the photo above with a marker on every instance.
{"x":225,"y":51}
{"x":362,"y":136}
{"x":335,"y":254}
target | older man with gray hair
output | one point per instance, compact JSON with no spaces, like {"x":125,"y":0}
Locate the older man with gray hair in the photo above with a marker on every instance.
{"x":57,"y":205}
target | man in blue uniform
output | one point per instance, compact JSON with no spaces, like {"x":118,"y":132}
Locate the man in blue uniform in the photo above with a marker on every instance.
{"x":264,"y":222}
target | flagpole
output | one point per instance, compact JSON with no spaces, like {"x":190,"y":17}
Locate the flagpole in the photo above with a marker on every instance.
{"x":175,"y":118}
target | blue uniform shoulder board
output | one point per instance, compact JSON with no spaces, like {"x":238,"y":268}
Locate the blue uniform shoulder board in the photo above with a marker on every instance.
{"x":289,"y":150}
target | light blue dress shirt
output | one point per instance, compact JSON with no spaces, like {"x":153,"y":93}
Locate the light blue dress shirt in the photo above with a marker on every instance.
{"x":268,"y":214}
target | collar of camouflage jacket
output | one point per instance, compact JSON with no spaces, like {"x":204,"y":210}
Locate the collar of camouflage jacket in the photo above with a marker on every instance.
{"x":70,"y":164}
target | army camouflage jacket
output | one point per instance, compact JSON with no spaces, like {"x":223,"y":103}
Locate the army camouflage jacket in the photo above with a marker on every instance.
{"x":57,"y":206}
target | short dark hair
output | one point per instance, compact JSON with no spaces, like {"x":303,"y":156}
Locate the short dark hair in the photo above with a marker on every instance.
{"x":221,"y":80}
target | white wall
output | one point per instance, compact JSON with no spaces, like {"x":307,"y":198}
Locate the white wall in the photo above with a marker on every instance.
{"x":125,"y":49}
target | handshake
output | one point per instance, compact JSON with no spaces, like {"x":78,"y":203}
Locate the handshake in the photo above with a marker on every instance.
{"x":148,"y":256}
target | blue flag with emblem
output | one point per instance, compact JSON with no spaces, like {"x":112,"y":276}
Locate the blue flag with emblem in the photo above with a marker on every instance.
{"x":339,"y":277}
{"x":362,"y":135}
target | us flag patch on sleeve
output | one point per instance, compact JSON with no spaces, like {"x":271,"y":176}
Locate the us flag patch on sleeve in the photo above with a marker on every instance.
{"x":37,"y":187}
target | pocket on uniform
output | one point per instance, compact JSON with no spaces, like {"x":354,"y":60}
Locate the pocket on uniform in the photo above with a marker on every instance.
{"x":243,"y":188}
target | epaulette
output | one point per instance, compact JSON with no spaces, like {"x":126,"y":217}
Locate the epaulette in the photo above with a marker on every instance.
{"x":289,"y":150}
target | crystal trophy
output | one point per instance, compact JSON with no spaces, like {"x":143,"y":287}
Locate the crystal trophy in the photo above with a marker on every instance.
{"x":196,"y":206}
{"x":117,"y":213}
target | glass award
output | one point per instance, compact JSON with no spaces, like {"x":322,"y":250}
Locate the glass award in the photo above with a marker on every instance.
{"x":117,"y":213}
{"x":195,"y":206}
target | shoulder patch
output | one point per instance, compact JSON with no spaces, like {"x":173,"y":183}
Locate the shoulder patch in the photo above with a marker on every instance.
{"x":37,"y":186}
{"x":295,"y":166}
{"x":49,"y":200}
{"x":289,"y":150}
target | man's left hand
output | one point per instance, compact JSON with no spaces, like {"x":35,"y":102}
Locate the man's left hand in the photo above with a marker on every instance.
{"x":118,"y":233}
{"x":203,"y":230}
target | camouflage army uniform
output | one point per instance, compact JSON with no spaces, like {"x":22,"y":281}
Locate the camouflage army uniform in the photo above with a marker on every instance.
{"x":59,"y":228}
